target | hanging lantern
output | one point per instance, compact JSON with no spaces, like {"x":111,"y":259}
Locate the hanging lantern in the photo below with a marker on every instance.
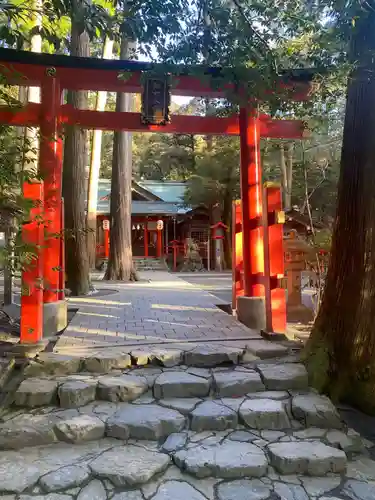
{"x":106,"y":224}
{"x":133,"y":227}
{"x":159,"y":225}
{"x":156,"y":99}
{"x":138,"y":227}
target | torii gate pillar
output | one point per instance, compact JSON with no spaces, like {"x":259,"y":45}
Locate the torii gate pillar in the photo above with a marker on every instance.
{"x":50,"y":166}
{"x":251,"y":307}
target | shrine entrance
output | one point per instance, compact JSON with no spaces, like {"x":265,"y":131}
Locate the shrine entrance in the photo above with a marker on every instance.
{"x":55,"y":73}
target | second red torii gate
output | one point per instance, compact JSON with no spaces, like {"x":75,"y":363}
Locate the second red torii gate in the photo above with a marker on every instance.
{"x":56,"y":73}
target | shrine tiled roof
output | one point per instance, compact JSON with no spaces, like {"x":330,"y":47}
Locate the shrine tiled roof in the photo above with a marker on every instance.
{"x":169,"y":198}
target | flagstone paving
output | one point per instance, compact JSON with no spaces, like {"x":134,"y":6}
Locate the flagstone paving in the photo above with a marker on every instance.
{"x":210,"y":421}
{"x":147,"y":440}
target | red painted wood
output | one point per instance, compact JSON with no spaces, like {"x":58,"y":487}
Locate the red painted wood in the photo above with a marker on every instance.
{"x":50,"y":166}
{"x":237,"y":255}
{"x":251,"y":196}
{"x":93,"y":79}
{"x":159,"y":243}
{"x":276,"y":261}
{"x":106,"y":243}
{"x":32,"y":275}
{"x":108,"y":120}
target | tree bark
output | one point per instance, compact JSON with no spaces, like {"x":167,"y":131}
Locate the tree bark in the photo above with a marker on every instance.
{"x":286,"y":166}
{"x":340,"y":354}
{"x":227,"y":219}
{"x":120,"y":264}
{"x":74,"y":178}
{"x":96,"y":149}
{"x":289,"y":175}
{"x":31,"y":141}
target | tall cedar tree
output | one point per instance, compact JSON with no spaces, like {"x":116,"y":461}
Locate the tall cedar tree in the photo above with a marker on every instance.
{"x":74,"y":175}
{"x":120,"y":264}
{"x":95,"y":163}
{"x":340,"y":354}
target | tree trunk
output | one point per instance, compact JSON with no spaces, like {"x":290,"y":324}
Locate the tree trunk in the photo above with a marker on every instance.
{"x":216,"y":214}
{"x":74,"y":185}
{"x":289,"y":175}
{"x":286,"y":167}
{"x":96,"y":149}
{"x":227,"y":219}
{"x":31,"y":139}
{"x":120,"y":264}
{"x":340,"y":355}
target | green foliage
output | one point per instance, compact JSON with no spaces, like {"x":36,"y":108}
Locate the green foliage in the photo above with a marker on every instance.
{"x":217,"y":174}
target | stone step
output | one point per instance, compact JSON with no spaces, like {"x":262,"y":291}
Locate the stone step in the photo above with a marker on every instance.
{"x":106,"y":360}
{"x":142,"y":450}
{"x":125,"y":466}
{"x":262,"y":417}
{"x":72,"y":391}
{"x":149,"y":264}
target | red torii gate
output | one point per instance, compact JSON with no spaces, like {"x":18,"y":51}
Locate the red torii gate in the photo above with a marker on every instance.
{"x":54,"y":73}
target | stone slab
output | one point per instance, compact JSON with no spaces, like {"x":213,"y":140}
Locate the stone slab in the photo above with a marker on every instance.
{"x":235,"y":384}
{"x":21,"y":470}
{"x":175,"y":442}
{"x":76,"y":393}
{"x":267,"y":414}
{"x":265,"y":350}
{"x":173,"y":490}
{"x":79,"y":429}
{"x":105,"y":361}
{"x":243,"y":489}
{"x":350,"y":444}
{"x":358,"y":490}
{"x":209,"y":356}
{"x":129,"y":465}
{"x":27,"y":430}
{"x":316,"y":411}
{"x":176,"y":384}
{"x":210,"y":415}
{"x":55,"y":317}
{"x":312,"y":458}
{"x":93,"y":491}
{"x":281,"y":377}
{"x":229,"y":460}
{"x":64,"y":478}
{"x":251,"y":312}
{"x":50,"y":363}
{"x":164,"y":357}
{"x":290,"y":491}
{"x":124,"y":388}
{"x":316,"y":486}
{"x":35,"y":392}
{"x":183,"y":405}
{"x":151,"y":422}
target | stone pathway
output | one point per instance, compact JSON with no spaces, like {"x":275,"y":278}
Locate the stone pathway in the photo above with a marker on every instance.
{"x":161,"y":309}
{"x":97,"y":428}
{"x":213,"y":420}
